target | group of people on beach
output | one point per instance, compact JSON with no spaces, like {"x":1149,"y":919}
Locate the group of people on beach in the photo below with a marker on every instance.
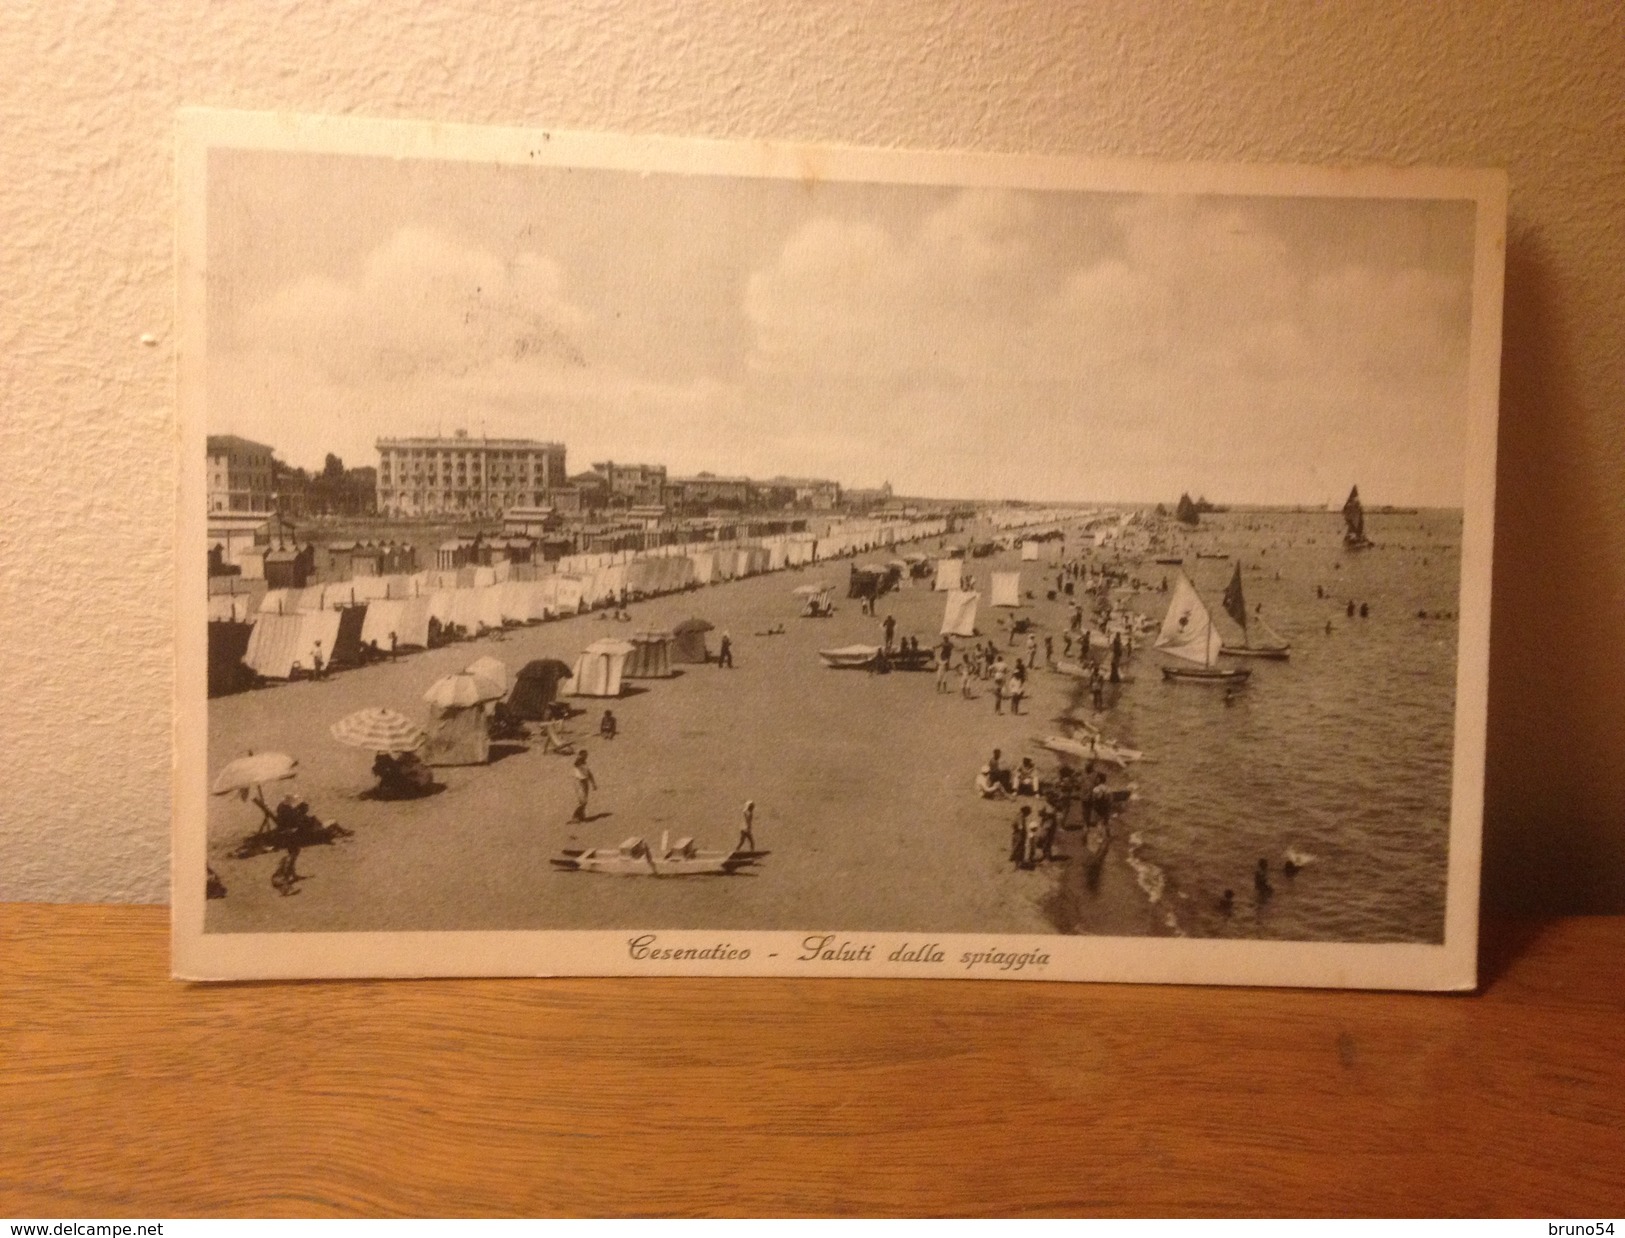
{"x":1032,"y":834}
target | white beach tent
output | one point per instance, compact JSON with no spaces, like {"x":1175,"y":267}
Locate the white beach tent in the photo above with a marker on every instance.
{"x":959,"y":617}
{"x":382,"y":618}
{"x":279,"y":643}
{"x":950,"y":574}
{"x":599,"y":667}
{"x":1029,"y":553}
{"x":1006,"y":588}
{"x":568,"y":594}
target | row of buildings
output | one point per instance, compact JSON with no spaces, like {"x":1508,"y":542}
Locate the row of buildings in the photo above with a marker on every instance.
{"x":466,"y":477}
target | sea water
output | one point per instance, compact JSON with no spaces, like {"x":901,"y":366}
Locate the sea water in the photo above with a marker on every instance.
{"x":1339,"y":758}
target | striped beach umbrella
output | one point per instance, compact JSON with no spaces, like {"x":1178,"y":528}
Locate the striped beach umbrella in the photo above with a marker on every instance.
{"x":378,"y":730}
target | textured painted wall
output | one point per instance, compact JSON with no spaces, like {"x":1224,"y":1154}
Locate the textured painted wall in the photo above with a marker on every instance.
{"x":87,"y":94}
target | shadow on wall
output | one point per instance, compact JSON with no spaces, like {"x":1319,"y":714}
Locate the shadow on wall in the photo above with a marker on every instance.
{"x":1554,"y":814}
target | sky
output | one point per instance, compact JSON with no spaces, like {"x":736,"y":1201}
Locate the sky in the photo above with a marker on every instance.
{"x":957,"y":342}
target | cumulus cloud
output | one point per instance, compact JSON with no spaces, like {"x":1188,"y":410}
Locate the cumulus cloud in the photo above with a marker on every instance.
{"x":1196,"y":341}
{"x":429,"y":336}
{"x":423,"y":304}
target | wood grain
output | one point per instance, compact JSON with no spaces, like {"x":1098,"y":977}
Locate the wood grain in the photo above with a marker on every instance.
{"x":122,"y":1092}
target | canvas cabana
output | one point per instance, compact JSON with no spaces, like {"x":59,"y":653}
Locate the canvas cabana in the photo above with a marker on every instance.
{"x":1007,"y":588}
{"x":688,"y":642}
{"x":950,"y":575}
{"x":536,"y":687}
{"x":1029,"y":554}
{"x":959,"y":616}
{"x":599,"y":668}
{"x":650,"y":657}
{"x":281,"y":644}
{"x":458,"y":735}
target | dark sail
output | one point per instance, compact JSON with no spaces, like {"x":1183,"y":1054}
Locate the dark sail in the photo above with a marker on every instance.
{"x":1354,"y":516}
{"x":1186,"y":512}
{"x":1235,"y":605}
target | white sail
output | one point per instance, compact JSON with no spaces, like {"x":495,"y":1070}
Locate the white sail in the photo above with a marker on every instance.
{"x":1188,"y":631}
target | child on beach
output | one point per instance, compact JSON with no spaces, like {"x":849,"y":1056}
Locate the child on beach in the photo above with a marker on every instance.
{"x":585,"y":783}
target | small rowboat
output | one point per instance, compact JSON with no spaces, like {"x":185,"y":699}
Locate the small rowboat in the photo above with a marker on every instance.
{"x":1276,"y":653}
{"x":1093,"y":749}
{"x":1206,"y":674}
{"x":634,"y":858}
{"x":849,"y":657}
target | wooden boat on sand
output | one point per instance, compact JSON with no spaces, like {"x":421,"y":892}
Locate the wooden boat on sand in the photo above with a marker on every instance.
{"x":635,"y":858}
{"x":849,"y":657}
{"x":1094,"y":748}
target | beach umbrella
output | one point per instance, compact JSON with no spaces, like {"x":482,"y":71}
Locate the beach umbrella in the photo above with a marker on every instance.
{"x":462,"y":690}
{"x":694,"y":625}
{"x":490,"y":668}
{"x":254,"y":769}
{"x":807,"y":591}
{"x":378,"y":730}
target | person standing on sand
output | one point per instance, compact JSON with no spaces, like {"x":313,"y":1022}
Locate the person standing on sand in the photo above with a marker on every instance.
{"x":945,"y":655}
{"x":1048,"y":823}
{"x":998,"y":689}
{"x":585,"y":783}
{"x":725,"y":652}
{"x":1018,"y":688}
{"x":1031,"y":839}
{"x":889,"y":628}
{"x":1100,"y":802}
{"x":746,"y":833}
{"x":1018,"y":836}
{"x":965,"y":677}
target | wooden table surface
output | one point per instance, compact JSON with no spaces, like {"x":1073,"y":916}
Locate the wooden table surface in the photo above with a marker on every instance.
{"x":122,"y":1092}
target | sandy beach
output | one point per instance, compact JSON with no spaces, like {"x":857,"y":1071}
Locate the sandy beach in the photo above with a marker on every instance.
{"x":862,"y":785}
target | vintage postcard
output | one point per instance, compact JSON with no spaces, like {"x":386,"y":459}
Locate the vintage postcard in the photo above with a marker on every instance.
{"x":629,"y":556}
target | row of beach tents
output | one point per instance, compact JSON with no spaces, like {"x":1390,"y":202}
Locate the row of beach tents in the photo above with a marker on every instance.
{"x":283,"y":631}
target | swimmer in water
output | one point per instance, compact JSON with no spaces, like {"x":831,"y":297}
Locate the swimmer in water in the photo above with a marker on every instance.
{"x":1291,"y":867}
{"x":1227,"y":902}
{"x":1261,"y":880}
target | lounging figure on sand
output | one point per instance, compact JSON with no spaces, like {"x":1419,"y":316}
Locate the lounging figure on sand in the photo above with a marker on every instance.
{"x":989,"y":787}
{"x":401,"y":776}
{"x":555,"y":740}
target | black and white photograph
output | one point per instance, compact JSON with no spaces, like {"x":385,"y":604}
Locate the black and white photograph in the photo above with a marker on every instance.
{"x":609,"y":555}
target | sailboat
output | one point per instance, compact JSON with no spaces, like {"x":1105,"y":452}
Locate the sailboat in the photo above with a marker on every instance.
{"x":1354,"y":537}
{"x":1235,"y":605}
{"x":1188,"y":634}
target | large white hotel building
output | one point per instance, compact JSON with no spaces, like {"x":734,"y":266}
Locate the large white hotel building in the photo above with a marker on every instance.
{"x":460,"y":475}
